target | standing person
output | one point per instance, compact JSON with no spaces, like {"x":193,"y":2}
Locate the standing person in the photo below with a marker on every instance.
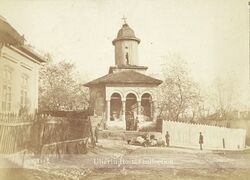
{"x":201,"y":140}
{"x":167,"y":136}
{"x":147,"y":140}
{"x":97,"y":132}
{"x":131,"y":121}
{"x":128,"y":120}
{"x":136,"y":124}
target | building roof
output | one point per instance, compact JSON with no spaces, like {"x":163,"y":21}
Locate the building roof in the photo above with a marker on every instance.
{"x":9,"y":36}
{"x":124,"y":77}
{"x":126,"y":33}
{"x":30,"y":51}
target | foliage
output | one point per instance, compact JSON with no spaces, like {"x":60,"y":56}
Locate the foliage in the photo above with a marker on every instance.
{"x":59,"y":88}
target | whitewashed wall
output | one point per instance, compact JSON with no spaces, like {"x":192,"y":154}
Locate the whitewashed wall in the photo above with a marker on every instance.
{"x":20,"y":64}
{"x":187,"y":135}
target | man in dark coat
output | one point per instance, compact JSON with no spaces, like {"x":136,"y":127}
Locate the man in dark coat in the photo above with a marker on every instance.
{"x":201,"y":140}
{"x":97,"y":132}
{"x":129,"y":120}
{"x":167,"y":137}
{"x":136,"y":124}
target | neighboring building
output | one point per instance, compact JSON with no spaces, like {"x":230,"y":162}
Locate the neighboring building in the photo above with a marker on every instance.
{"x":249,"y":41}
{"x":19,"y":70}
{"x":125,"y":91}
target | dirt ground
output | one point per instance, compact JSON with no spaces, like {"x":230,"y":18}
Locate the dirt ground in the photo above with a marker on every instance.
{"x":178,"y":164}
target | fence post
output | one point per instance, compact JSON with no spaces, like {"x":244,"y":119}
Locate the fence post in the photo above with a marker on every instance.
{"x":223,"y":142}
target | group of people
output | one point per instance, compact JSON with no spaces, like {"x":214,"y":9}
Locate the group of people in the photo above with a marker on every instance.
{"x":149,"y":140}
{"x":167,"y":138}
{"x":146,"y":140}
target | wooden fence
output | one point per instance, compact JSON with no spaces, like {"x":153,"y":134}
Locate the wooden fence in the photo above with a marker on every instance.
{"x":14,"y":132}
{"x":187,"y":135}
{"x":33,"y":132}
{"x":49,"y":131}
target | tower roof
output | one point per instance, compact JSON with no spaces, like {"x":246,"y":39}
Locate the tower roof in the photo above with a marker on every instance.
{"x":126,"y":33}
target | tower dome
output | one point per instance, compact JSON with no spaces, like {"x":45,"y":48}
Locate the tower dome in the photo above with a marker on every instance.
{"x":126,"y":33}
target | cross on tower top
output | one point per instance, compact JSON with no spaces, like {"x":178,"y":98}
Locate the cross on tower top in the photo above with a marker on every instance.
{"x":124,"y":19}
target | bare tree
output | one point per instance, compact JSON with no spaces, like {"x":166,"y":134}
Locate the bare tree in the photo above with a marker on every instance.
{"x":180,"y":97}
{"x":224,"y":98}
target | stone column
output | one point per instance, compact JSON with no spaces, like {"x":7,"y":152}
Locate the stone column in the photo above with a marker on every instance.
{"x":123,"y":110}
{"x":108,"y":109}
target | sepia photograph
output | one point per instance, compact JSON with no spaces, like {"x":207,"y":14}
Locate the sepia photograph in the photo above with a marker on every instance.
{"x":124,"y":89}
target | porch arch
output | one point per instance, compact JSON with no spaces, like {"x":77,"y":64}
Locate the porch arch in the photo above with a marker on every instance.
{"x":148,"y":92}
{"x":115,"y":106}
{"x":115,"y":91}
{"x":147,"y":106}
{"x":132,"y":92}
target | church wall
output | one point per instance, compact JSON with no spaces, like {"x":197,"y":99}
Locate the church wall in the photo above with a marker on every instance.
{"x":97,"y":100}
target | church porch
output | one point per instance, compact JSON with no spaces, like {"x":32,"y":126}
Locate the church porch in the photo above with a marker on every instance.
{"x":123,"y":112}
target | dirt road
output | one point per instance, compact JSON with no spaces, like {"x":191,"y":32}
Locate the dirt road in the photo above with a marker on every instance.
{"x":186,"y":164}
{"x":135,"y":162}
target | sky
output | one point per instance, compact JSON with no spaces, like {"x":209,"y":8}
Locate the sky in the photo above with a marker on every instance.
{"x":212,"y":36}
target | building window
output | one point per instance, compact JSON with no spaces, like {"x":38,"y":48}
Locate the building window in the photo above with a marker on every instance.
{"x":24,"y":91}
{"x":7,"y":88}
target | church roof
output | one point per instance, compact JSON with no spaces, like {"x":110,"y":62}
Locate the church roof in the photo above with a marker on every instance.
{"x":125,"y":77}
{"x":126,"y":33}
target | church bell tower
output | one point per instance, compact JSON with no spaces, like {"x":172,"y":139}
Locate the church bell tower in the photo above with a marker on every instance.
{"x":126,"y":47}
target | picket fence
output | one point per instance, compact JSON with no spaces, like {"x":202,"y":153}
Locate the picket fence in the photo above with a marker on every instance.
{"x":187,"y":135}
{"x":14,"y":132}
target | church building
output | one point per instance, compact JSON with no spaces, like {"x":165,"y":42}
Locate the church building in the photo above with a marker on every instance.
{"x":126,"y":91}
